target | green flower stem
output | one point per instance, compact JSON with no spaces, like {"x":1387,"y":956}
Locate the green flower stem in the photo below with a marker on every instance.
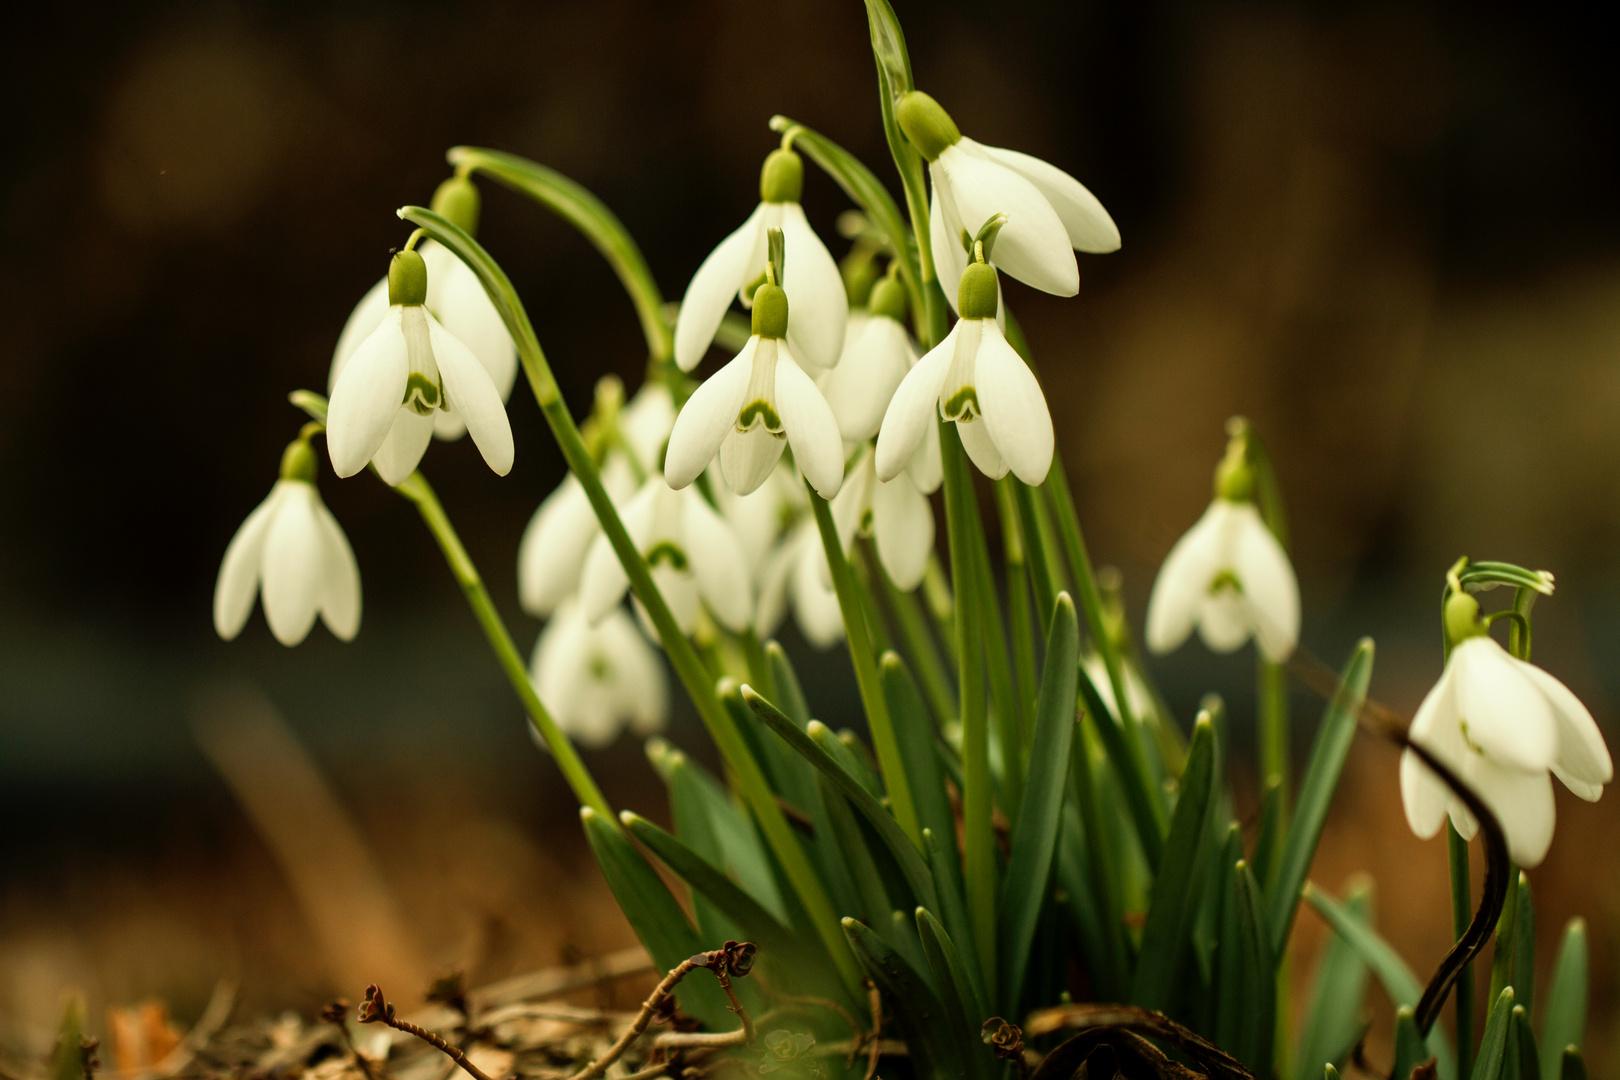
{"x":416,"y":488}
{"x":751,"y":782}
{"x":1462,"y":913}
{"x":588,"y":214}
{"x":926,"y":662}
{"x":759,"y":669}
{"x":1045,"y":565}
{"x":867,"y":676}
{"x":941,"y":604}
{"x":861,"y":569}
{"x":979,"y":842}
{"x":1019,"y":612}
{"x":1272,"y":696}
{"x":1003,"y":696}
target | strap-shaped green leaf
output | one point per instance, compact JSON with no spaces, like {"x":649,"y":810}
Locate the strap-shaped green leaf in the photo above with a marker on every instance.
{"x":1024,"y":888}
{"x":837,"y":745}
{"x":1097,"y":873}
{"x":1231,"y":961}
{"x":1170,"y":910}
{"x":1524,"y":947}
{"x":789,"y":691}
{"x":922,"y":1018}
{"x":1409,"y":1049}
{"x":1493,"y":1044}
{"x":1563,"y":1012}
{"x":914,"y":730}
{"x":1334,"y":1021}
{"x":964,"y":1013}
{"x":1316,"y":790}
{"x":863,"y":870}
{"x":1129,"y":768}
{"x":944,"y":862}
{"x":1257,"y":1026}
{"x":690,"y":812}
{"x":1571,"y":1065}
{"x":655,"y":916}
{"x":905,"y":854}
{"x":1397,"y":979}
{"x":1527,"y":1062}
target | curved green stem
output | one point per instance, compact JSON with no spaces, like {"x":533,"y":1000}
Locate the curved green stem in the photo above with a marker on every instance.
{"x":694,"y":676}
{"x":585,"y":212}
{"x":421,"y":495}
{"x":867,"y":676}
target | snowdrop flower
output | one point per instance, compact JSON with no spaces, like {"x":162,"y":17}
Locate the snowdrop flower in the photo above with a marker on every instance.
{"x":455,"y":297}
{"x":974,"y":378}
{"x":1228,"y":575}
{"x":551,"y":556}
{"x":595,"y":679}
{"x":877,"y":355}
{"x":693,"y":554}
{"x":409,"y":370}
{"x":760,"y":518}
{"x":1501,"y":724}
{"x":1050,"y":213}
{"x":292,"y":548}
{"x":814,"y":286}
{"x":754,"y":406}
{"x":796,"y":570}
{"x":895,"y":514}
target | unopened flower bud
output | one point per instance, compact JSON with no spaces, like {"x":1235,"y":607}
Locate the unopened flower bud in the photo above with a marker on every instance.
{"x":770,"y":311}
{"x":977,"y":295}
{"x":407,"y":279}
{"x":928,"y":126}
{"x":781,"y":179}
{"x":458,"y":202}
{"x":298,"y":462}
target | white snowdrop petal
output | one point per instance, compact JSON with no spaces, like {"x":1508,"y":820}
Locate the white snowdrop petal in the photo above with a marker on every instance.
{"x":811,"y":429}
{"x":603,"y":581}
{"x":238,"y":581}
{"x":646,"y":422}
{"x":680,"y":592}
{"x":1179,"y":590}
{"x":640,"y":688}
{"x":1582,"y":753}
{"x":717,"y":563}
{"x":981,"y":449}
{"x":467,"y":386}
{"x":1089,"y":226}
{"x":1423,"y":795}
{"x":1015,"y":413}
{"x":950,"y":257}
{"x":366,"y":399}
{"x":747,"y":458}
{"x":1582,"y":789}
{"x":457,"y":298}
{"x":293,"y":551}
{"x":1506,"y":713}
{"x":339,"y":599}
{"x":708,"y":416}
{"x":926,"y":469}
{"x":815,"y":604}
{"x":448,"y":426}
{"x":913,"y":408}
{"x":903,"y":527}
{"x":1033,"y":246}
{"x":402,"y":449}
{"x":1224,"y":622}
{"x":711,"y":290}
{"x":363,"y":321}
{"x":853,"y":502}
{"x":551,"y":555}
{"x":818,"y":306}
{"x":1269,"y":584}
{"x":1523,"y":804}
{"x":774,"y":574}
{"x":858,"y":390}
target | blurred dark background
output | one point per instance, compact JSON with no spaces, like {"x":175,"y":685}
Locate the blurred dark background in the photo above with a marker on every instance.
{"x":1387,"y":232}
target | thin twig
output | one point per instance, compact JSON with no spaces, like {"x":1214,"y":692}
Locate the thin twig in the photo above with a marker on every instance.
{"x":699,"y":1040}
{"x":375,"y":1009}
{"x":875,"y":997}
{"x":337,"y":1014}
{"x":650,"y":1071}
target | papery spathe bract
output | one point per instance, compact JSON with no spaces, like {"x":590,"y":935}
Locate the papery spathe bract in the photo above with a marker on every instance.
{"x":976,"y":379}
{"x":292,"y":551}
{"x":405,"y":373}
{"x":814,"y":286}
{"x":1050,"y":213}
{"x":1229,"y":577}
{"x":596,"y":679}
{"x":693,"y":554}
{"x":1502,"y":725}
{"x":749,"y":411}
{"x":895,"y":514}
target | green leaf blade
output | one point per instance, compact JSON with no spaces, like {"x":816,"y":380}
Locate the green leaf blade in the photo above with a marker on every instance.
{"x":1563,"y":1019}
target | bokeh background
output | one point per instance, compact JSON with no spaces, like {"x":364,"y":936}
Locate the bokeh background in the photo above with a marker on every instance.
{"x":1385,"y":231}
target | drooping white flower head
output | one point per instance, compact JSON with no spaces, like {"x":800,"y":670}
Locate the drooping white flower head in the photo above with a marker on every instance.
{"x":977,"y":380}
{"x":796,"y":571}
{"x":454,"y":296}
{"x":749,"y":411}
{"x":596,"y":679}
{"x":551,"y":555}
{"x":760,"y":518}
{"x":814,"y":286}
{"x":1050,"y":213}
{"x":409,"y":370}
{"x":1501,"y":724}
{"x":1228,"y":575}
{"x":694,"y":556}
{"x":292,"y":550}
{"x":895,"y":514}
{"x":877,"y":354}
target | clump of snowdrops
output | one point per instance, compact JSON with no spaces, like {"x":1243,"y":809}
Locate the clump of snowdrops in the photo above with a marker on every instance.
{"x":1016,"y":825}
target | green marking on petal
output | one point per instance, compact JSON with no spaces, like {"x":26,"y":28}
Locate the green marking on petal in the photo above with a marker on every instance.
{"x":962,"y":406}
{"x":666,"y":552}
{"x":1225,"y":580}
{"x":422,"y":395}
{"x":1462,"y":723}
{"x":759,"y":412}
{"x":599,"y":667}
